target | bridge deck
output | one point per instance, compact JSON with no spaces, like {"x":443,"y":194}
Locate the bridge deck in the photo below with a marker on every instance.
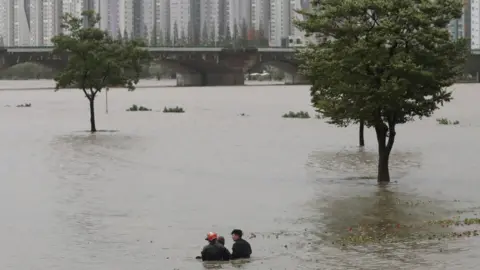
{"x":154,"y":49}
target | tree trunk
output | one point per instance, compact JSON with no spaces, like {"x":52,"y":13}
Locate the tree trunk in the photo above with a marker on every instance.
{"x":361,"y":137}
{"x":383,"y":170}
{"x":384,"y":149}
{"x":91,"y":100}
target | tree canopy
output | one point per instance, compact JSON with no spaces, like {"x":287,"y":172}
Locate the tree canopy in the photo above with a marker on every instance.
{"x":384,"y":62}
{"x":96,"y":60}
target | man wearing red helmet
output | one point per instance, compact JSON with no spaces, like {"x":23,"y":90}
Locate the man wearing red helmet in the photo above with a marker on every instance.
{"x":214,"y":251}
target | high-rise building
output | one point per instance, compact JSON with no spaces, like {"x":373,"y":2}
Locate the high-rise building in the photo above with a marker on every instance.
{"x":194,"y":24}
{"x":21,"y":22}
{"x":261,"y":16}
{"x":52,"y":20}
{"x":73,"y":7}
{"x":209,"y":19}
{"x":240,"y":14}
{"x":125,"y":21}
{"x":108,"y":10}
{"x":280,"y":22}
{"x":36,"y":22}
{"x":3,"y":23}
{"x":139,"y":28}
{"x":180,"y":11}
{"x":150,"y":20}
{"x":162,"y":20}
{"x":223,"y":18}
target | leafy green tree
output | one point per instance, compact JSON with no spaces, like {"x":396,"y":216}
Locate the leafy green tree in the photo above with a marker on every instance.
{"x":385,"y":62}
{"x":205,"y":34}
{"x":119,"y":35}
{"x":96,"y":60}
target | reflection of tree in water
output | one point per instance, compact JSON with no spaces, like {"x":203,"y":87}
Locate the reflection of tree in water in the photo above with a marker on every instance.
{"x":357,"y":163}
{"x":388,"y":224}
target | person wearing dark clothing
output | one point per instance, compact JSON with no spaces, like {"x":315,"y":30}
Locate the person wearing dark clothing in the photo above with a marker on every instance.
{"x":221,"y":240}
{"x":241,"y":249}
{"x":214,"y":251}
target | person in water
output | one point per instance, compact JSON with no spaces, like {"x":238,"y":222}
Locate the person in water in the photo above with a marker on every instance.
{"x":221,"y":240}
{"x":241,"y":249}
{"x":214,"y":251}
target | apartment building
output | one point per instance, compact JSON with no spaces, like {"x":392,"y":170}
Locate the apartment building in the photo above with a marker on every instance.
{"x":3,"y":23}
{"x":52,"y":20}
{"x":260,"y":16}
{"x":209,"y":18}
{"x":180,"y":15}
{"x":280,"y":21}
{"x":240,"y":12}
{"x":162,"y":20}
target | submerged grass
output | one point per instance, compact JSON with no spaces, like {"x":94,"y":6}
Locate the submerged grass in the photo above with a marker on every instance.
{"x":135,"y":108}
{"x":175,"y":109}
{"x":300,"y":114}
{"x":25,"y":105}
{"x":445,"y":121}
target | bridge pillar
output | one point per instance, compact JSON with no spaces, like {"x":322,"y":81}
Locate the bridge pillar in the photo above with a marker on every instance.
{"x":189,"y":79}
{"x":211,"y":79}
{"x":228,"y":78}
{"x":296,"y":78}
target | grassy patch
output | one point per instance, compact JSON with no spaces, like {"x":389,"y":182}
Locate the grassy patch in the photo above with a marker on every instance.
{"x":135,"y":108}
{"x":300,"y":114}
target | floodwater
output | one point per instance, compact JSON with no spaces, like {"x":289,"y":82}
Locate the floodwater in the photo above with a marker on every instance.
{"x":144,"y":196}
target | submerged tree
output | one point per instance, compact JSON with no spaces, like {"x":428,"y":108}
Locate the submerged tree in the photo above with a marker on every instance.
{"x":385,"y":62}
{"x":96,"y":60}
{"x":361,"y":133}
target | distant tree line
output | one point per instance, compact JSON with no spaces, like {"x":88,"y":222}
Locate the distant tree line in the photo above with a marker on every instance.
{"x":34,"y":71}
{"x":240,"y":36}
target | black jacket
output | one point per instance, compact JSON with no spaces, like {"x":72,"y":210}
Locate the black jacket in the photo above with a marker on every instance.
{"x":241,"y":250}
{"x":215,"y":252}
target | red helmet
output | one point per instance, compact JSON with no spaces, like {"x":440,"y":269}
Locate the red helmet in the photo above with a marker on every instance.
{"x":211,"y":236}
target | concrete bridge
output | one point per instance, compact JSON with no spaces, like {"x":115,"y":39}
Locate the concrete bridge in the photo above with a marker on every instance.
{"x":195,"y":66}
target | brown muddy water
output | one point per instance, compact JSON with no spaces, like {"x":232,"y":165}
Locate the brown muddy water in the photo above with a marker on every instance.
{"x":144,"y":197}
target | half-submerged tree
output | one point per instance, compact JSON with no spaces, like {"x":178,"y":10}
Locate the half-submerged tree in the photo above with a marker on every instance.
{"x":385,"y":62}
{"x":96,"y":60}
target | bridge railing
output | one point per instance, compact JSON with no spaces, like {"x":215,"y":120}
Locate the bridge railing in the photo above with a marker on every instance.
{"x":44,"y":49}
{"x":217,"y":47}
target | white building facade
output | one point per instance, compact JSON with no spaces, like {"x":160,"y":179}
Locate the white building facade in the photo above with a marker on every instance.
{"x":260,"y":16}
{"x":179,"y":18}
{"x":52,"y":20}
{"x":209,"y":18}
{"x":240,"y":12}
{"x":280,"y":21}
